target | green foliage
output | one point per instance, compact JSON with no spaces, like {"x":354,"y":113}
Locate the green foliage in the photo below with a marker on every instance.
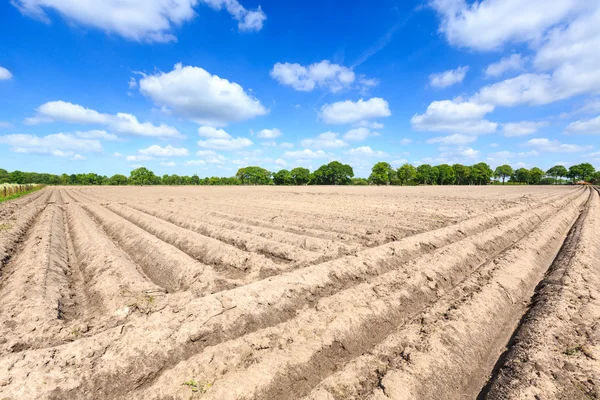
{"x":481,"y":173}
{"x":535,"y":176}
{"x":300,"y":176}
{"x":359,"y":182}
{"x":254,"y":176}
{"x":462,"y":173}
{"x":334,"y":173}
{"x":117,"y":180}
{"x":426,"y":174}
{"x":382,"y":173}
{"x":407,"y":174}
{"x":583,"y":171}
{"x":283,"y":177}
{"x":446,"y":174}
{"x":504,"y":171}
{"x":557,"y":171}
{"x":143,"y":176}
{"x":522,"y":175}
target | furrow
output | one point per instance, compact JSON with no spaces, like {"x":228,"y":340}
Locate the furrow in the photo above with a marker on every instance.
{"x":35,"y":282}
{"x":165,"y":265}
{"x":287,"y":360}
{"x":555,"y":351}
{"x":447,"y":350}
{"x":240,"y":240}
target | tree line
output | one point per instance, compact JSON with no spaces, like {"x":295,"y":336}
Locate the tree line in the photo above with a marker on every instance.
{"x":333,"y":173}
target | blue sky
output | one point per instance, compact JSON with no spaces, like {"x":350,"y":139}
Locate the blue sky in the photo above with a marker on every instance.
{"x":208,"y":86}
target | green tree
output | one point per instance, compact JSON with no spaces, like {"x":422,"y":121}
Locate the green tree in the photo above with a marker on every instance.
{"x":283,"y":177}
{"x":504,"y":171}
{"x":143,"y":176}
{"x":381,"y":174}
{"x":407,"y":174}
{"x":581,"y":171}
{"x":254,"y":176}
{"x":557,"y":171}
{"x":535,"y":176}
{"x":300,"y":176}
{"x":118,"y":180}
{"x":16,"y":177}
{"x":425,"y":174}
{"x":481,"y":173}
{"x":446,"y":174}
{"x":462,"y":173}
{"x":359,"y":182}
{"x":334,"y":173}
{"x":3,"y":174}
{"x":522,"y":175}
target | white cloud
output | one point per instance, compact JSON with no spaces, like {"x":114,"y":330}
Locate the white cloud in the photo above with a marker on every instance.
{"x":138,"y":20}
{"x":514,"y":62}
{"x":118,"y":155}
{"x":287,"y":145}
{"x":366,"y":151}
{"x":456,"y":139}
{"x":451,"y":116}
{"x":194,"y":93}
{"x":328,"y":140}
{"x":269,"y":133}
{"x":225,"y":144}
{"x":78,"y":157}
{"x":281,"y":162}
{"x":306,"y":153}
{"x":168,"y":151}
{"x":5,"y":124}
{"x":347,"y":112}
{"x":167,"y":163}
{"x":62,"y":111}
{"x":359,"y":134}
{"x":5,"y":74}
{"x":405,"y":141}
{"x":248,"y":20}
{"x":324,"y":74}
{"x":589,"y":126}
{"x":214,"y":133}
{"x":554,"y":146}
{"x":448,"y":78}
{"x":97,"y":134}
{"x":59,"y":144}
{"x":522,"y":128}
{"x":196,"y":162}
{"x":371,"y":125}
{"x":139,"y":158}
{"x":489,"y":24}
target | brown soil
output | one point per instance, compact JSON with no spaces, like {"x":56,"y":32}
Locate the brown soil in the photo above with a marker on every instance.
{"x":300,"y":292}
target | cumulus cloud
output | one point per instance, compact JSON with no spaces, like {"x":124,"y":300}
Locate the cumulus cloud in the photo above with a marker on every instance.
{"x":451,"y":116}
{"x":456,"y":139}
{"x":489,"y":24}
{"x":78,"y":157}
{"x":306,"y":154}
{"x":324,"y":74}
{"x":225,"y":144}
{"x":327,"y":140}
{"x":62,"y":111}
{"x":167,"y":163}
{"x":514,"y":62}
{"x":59,"y":144}
{"x":138,"y":20}
{"x":347,"y":112}
{"x":5,"y":74}
{"x":448,"y":78}
{"x":366,"y":151}
{"x":97,"y":134}
{"x":168,"y":151}
{"x":281,"y":162}
{"x":210,"y":132}
{"x":589,"y":126}
{"x":522,"y":128}
{"x":359,"y":134}
{"x":554,"y":146}
{"x":269,"y":133}
{"x":194,"y":93}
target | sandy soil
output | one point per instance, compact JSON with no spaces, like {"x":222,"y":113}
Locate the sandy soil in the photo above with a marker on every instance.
{"x":310,"y":292}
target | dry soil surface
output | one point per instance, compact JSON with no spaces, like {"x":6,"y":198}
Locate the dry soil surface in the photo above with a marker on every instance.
{"x":300,"y":293}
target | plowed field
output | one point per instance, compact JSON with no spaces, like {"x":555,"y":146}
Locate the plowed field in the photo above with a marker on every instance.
{"x":300,"y":293}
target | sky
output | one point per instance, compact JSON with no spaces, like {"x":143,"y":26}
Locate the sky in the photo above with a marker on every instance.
{"x":208,"y":86}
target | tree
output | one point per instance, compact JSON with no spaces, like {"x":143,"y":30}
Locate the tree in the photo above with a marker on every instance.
{"x":481,"y":173}
{"x":16,"y":177}
{"x":407,"y":174}
{"x":522,"y":175}
{"x":143,"y":176}
{"x":425,"y":174}
{"x":581,"y":171}
{"x":360,"y":182}
{"x":300,"y":176}
{"x":446,"y":174}
{"x":462,"y":173}
{"x":596,"y":178}
{"x":504,"y":171}
{"x":334,"y":173}
{"x":117,"y":180}
{"x":254,"y":176}
{"x":381,"y":174}
{"x":283,"y":177}
{"x":535,"y":176}
{"x":557,"y":171}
